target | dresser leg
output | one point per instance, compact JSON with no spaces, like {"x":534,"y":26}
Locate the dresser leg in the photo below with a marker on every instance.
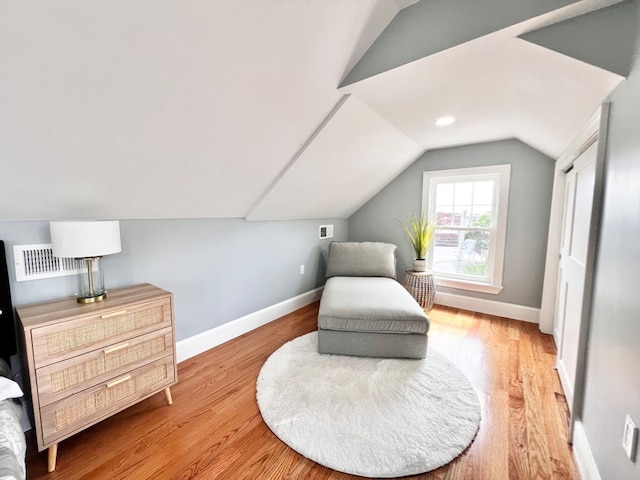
{"x":53,"y":453}
{"x":167,"y":394}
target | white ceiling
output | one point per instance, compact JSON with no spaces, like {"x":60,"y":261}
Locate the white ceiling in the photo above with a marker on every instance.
{"x":496,"y":88}
{"x":353,"y":156}
{"x":208,"y":109}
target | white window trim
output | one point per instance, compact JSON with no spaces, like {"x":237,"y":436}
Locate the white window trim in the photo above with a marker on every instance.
{"x":495,"y":265}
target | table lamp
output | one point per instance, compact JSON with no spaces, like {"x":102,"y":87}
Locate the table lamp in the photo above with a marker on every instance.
{"x":87,"y":241}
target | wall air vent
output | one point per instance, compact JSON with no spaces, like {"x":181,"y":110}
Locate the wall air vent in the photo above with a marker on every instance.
{"x":326,"y":231}
{"x":34,"y":262}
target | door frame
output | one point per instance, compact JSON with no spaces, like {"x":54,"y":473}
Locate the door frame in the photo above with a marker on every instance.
{"x":594,"y":131}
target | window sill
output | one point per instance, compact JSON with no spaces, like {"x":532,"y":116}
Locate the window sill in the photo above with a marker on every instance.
{"x":466,"y":285}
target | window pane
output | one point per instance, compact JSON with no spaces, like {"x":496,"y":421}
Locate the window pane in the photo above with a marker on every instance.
{"x":462,"y":215}
{"x":461,"y":253}
{"x":483,"y":193}
{"x":481,"y":216}
{"x":444,"y":194}
{"x":444,"y":215}
{"x":463,"y":193}
{"x":470,"y":205}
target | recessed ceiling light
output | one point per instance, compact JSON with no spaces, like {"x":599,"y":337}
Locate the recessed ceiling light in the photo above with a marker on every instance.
{"x":444,"y":121}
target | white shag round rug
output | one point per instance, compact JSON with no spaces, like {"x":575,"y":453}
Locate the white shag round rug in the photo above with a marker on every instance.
{"x":367,"y":416}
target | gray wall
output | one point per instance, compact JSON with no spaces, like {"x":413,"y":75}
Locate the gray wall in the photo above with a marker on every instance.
{"x":527,"y":221}
{"x":218,"y":269}
{"x":612,"y":387}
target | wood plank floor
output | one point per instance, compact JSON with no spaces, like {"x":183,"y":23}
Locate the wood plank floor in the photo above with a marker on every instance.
{"x":214,"y":429}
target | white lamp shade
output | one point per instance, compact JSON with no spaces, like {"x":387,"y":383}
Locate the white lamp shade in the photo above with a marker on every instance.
{"x":85,"y":238}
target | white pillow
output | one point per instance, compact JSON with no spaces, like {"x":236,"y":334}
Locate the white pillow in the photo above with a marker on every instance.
{"x":9,"y":389}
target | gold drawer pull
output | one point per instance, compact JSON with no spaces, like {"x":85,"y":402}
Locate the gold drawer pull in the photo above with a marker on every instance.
{"x":120,"y":380}
{"x":114,"y":314}
{"x":116,"y":348}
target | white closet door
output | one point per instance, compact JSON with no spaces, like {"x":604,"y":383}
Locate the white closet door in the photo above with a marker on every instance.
{"x":580,"y":184}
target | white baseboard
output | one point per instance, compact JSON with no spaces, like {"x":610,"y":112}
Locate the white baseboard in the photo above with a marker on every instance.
{"x":582,"y":453}
{"x":490,"y":307}
{"x":192,"y":346}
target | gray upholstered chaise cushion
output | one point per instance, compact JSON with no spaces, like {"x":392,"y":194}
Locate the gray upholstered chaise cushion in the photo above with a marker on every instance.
{"x":371,"y":344}
{"x":362,"y":259}
{"x":370,"y":304}
{"x":363,"y":310}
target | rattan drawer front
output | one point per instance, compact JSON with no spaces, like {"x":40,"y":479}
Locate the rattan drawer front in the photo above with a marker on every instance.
{"x":60,"y":341}
{"x":90,"y":406}
{"x":59,"y":380}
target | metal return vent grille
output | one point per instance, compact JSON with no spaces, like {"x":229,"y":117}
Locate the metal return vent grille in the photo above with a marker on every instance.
{"x":34,"y":262}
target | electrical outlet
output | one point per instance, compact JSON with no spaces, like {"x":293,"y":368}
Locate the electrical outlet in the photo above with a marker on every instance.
{"x":630,"y":438}
{"x":301,"y":269}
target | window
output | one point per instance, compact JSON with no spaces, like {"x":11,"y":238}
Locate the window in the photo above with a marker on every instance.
{"x":470,"y":209}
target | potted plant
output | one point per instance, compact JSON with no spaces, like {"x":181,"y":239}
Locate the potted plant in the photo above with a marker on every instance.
{"x":421,"y":231}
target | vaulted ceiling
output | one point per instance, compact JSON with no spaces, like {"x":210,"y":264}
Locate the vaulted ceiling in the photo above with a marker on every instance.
{"x":280,"y":109}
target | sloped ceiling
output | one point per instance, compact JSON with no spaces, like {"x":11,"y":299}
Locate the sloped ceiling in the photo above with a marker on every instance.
{"x":604,"y":38}
{"x":234,"y":108}
{"x":350,"y":159}
{"x":433,"y":26}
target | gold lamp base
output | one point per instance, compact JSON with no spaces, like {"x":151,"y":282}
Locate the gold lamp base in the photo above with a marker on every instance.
{"x":97,"y":298}
{"x":91,"y":288}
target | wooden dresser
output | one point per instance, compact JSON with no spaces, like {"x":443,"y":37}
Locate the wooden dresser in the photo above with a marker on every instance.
{"x":89,"y":361}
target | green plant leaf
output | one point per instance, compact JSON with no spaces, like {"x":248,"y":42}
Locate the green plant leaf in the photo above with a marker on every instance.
{"x":420,"y":231}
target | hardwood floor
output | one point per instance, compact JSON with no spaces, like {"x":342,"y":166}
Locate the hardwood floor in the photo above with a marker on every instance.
{"x":214,"y":429}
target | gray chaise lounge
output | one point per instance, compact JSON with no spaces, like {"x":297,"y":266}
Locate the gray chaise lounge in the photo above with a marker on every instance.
{"x":364,"y":311}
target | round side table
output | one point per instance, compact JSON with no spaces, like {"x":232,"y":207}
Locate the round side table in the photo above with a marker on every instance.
{"x":421,"y":287}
